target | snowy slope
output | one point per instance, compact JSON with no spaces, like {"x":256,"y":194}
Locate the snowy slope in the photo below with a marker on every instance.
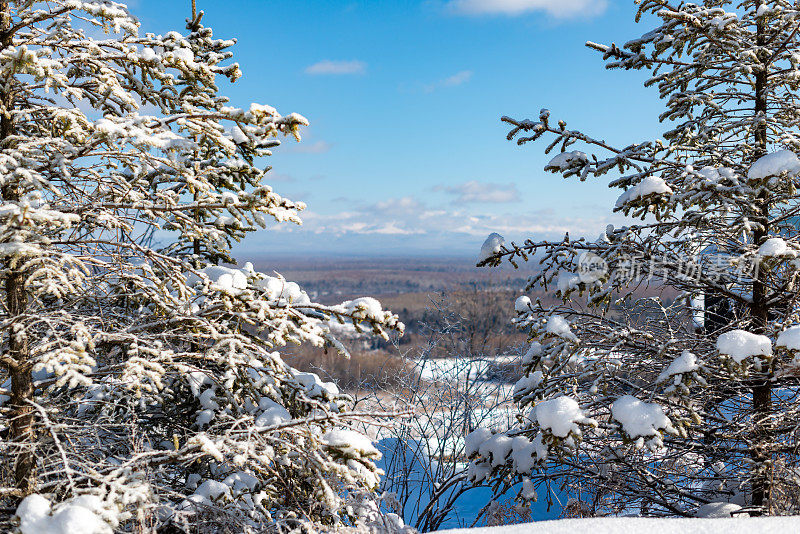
{"x":639,"y":525}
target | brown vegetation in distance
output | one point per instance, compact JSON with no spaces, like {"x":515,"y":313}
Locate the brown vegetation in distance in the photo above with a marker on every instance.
{"x":430,"y":296}
{"x":365,"y":369}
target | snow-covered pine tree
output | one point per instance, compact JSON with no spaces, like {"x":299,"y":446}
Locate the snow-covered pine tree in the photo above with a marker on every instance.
{"x":658,"y":406}
{"x":197,"y":94}
{"x":140,"y":385}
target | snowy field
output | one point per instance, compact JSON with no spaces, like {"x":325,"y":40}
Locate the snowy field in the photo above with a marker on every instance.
{"x":639,"y":525}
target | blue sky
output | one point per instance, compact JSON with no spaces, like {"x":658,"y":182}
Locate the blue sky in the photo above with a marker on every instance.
{"x":406,"y":154}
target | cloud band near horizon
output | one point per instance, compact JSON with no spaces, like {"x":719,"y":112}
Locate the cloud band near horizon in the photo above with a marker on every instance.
{"x":336,"y":68}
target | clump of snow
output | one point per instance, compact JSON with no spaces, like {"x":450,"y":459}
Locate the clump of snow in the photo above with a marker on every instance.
{"x":223,"y":279}
{"x":364,"y":308}
{"x":567,"y":160}
{"x":697,"y":303}
{"x":491,"y":246}
{"x":650,"y":186}
{"x":148,"y":54}
{"x":528,"y":383}
{"x":685,"y":363}
{"x":640,"y":419}
{"x":528,"y":491}
{"x":567,"y":282}
{"x":718,"y":509}
{"x":196,"y":380}
{"x":224,"y":220}
{"x":478,"y":471}
{"x":775,"y":247}
{"x":713,"y":175}
{"x":213,"y":491}
{"x":207,"y":400}
{"x":241,"y":481}
{"x":315,"y":387}
{"x":206,"y":445}
{"x":210,"y":491}
{"x":185,"y":55}
{"x":233,"y":281}
{"x":774,"y":164}
{"x":789,"y":338}
{"x":350,"y":443}
{"x":273,"y":414}
{"x":276,"y":288}
{"x":474,"y":440}
{"x":207,"y":493}
{"x":496,"y":448}
{"x":203,"y":418}
{"x":526,"y":453}
{"x":559,"y":326}
{"x":522,"y":304}
{"x":82,"y":514}
{"x":764,"y":9}
{"x":239,"y":137}
{"x":740,"y":345}
{"x":533,"y":351}
{"x":724,"y":20}
{"x":561,"y":416}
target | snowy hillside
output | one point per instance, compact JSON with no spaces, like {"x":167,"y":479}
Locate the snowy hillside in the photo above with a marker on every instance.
{"x":638,"y":525}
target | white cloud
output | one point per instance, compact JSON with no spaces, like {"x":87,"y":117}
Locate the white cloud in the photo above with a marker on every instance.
{"x":456,"y":79}
{"x":474,"y":191}
{"x":408,"y":225}
{"x":513,"y":8}
{"x":403,"y":205}
{"x":328,"y":67}
{"x":410,"y":216}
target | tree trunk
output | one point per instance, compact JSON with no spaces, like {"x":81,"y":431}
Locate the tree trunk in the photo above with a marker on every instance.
{"x":762,"y":391}
{"x":21,"y":385}
{"x":18,"y":361}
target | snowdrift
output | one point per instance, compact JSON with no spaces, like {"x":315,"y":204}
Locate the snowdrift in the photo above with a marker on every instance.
{"x":637,"y":525}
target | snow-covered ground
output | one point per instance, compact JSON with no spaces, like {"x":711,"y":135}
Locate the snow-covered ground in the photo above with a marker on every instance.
{"x":640,"y":525}
{"x":463,"y":369}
